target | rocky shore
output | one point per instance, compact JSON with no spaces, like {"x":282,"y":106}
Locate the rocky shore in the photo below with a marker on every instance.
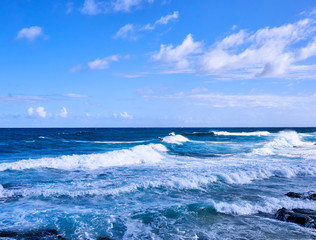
{"x":302,"y":216}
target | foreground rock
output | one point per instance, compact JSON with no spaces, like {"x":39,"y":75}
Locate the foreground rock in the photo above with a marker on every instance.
{"x":303,"y":217}
{"x":308,"y":195}
{"x":37,"y":234}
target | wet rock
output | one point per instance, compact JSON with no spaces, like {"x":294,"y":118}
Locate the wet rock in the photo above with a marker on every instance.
{"x":303,"y":217}
{"x":294,"y":195}
{"x":308,"y":195}
{"x":37,"y":234}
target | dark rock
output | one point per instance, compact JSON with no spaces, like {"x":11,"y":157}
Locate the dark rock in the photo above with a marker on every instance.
{"x":303,"y":217}
{"x":294,"y":195}
{"x":36,"y":234}
{"x":308,"y":195}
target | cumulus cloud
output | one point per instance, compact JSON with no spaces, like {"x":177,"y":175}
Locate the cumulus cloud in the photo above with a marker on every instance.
{"x":39,"y":111}
{"x":93,"y":7}
{"x":178,"y":56}
{"x":277,"y":52}
{"x":63,"y":113}
{"x":130,"y":30}
{"x":30,"y":33}
{"x":123,"y":115}
{"x":99,"y":64}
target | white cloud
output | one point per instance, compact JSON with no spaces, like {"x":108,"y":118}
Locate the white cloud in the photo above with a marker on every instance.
{"x":93,"y":7}
{"x":164,"y":20}
{"x":130,"y":30}
{"x":126,"y":115}
{"x":161,"y":21}
{"x":63,"y":113}
{"x":125,"y":32}
{"x":30,"y":33}
{"x":103,"y":63}
{"x":178,"y":56}
{"x":123,"y":115}
{"x":74,"y":95}
{"x":39,"y":111}
{"x":276,"y":52}
{"x":90,"y":7}
{"x":30,"y":111}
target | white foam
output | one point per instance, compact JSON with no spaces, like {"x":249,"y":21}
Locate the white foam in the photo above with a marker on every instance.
{"x":269,"y":205}
{"x":151,"y":153}
{"x":256,"y":133}
{"x":176,"y":139}
{"x":283,"y":140}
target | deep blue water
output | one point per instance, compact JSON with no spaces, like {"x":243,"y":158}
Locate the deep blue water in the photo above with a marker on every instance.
{"x":199,"y":183}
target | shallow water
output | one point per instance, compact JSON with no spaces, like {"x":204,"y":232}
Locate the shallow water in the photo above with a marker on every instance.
{"x":126,"y":184}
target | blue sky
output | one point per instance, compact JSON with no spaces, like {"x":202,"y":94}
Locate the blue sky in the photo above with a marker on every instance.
{"x":157,"y":63}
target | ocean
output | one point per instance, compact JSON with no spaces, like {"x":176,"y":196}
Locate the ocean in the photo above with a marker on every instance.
{"x":120,"y":183}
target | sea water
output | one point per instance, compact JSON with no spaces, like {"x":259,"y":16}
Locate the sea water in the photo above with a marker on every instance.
{"x":207,"y":183}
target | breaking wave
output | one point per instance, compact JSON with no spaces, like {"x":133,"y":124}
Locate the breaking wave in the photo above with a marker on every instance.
{"x":176,"y":139}
{"x":283,"y":140}
{"x":151,"y":153}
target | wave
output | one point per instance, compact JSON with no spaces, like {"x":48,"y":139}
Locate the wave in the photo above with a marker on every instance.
{"x":269,"y":205}
{"x":151,"y":153}
{"x":186,"y":181}
{"x":283,"y":140}
{"x":256,"y":133}
{"x":176,"y":139}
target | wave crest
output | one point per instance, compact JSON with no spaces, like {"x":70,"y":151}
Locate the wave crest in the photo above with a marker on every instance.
{"x":176,"y":139}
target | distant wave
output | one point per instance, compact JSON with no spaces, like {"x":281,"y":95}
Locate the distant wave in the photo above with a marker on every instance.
{"x":137,"y":155}
{"x":256,"y":133}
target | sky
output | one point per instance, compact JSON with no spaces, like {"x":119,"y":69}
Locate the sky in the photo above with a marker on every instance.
{"x":157,"y":63}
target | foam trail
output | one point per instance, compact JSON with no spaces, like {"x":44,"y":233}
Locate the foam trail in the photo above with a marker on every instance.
{"x":139,"y":154}
{"x":256,"y":133}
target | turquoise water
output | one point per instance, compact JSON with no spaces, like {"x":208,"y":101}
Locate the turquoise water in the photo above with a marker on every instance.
{"x":126,"y":184}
